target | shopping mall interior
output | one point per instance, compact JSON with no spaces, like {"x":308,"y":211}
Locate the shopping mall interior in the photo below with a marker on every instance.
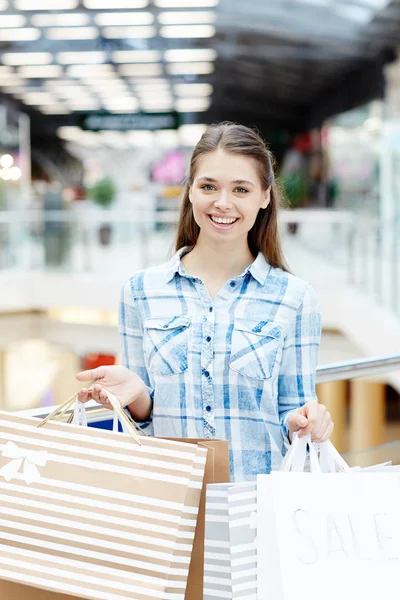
{"x":101,"y":104}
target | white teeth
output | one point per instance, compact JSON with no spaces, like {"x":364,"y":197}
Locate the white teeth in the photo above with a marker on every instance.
{"x":223,"y":221}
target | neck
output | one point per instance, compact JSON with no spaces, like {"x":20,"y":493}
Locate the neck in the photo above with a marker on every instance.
{"x":221,"y":263}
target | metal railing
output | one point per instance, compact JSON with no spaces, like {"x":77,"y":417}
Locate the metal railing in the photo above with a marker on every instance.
{"x":325,"y":373}
{"x":358,"y":368}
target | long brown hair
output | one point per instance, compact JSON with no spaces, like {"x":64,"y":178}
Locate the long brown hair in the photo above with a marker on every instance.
{"x":238,"y":139}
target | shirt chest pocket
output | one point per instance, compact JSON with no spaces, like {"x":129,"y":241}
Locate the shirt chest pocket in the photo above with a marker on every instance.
{"x":165,"y":344}
{"x":255,"y":347}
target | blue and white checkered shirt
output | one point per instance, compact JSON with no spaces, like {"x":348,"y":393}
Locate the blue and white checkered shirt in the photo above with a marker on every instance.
{"x":232,"y":368}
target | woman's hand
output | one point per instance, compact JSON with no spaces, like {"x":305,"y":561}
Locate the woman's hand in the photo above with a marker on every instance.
{"x":118,"y":380}
{"x":313,"y":419}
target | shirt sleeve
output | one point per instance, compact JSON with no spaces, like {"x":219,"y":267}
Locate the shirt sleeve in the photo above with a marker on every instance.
{"x":296,"y":380}
{"x":131,"y":335}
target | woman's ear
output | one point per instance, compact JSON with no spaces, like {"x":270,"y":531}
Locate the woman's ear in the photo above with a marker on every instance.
{"x":190,"y":194}
{"x":266,"y":197}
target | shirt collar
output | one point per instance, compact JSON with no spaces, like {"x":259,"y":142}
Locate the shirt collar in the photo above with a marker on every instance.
{"x":258,"y":269}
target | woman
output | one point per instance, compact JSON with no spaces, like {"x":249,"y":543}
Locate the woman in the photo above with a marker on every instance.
{"x":222,"y":341}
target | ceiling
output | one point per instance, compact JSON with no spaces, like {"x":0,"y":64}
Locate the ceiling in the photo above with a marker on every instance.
{"x":282,"y":65}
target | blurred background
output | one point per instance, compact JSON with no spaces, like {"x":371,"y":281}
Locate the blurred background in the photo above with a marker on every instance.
{"x":101,"y":104}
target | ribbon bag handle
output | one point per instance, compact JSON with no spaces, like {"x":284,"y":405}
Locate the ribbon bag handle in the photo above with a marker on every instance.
{"x":78,"y":416}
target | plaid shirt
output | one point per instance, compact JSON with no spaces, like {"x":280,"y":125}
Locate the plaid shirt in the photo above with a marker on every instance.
{"x":232,"y":368}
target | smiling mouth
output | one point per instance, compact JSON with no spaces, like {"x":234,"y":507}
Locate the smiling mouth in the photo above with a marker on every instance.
{"x":223,"y":220}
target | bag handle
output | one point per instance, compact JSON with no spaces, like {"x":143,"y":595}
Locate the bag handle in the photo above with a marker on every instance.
{"x":324,"y":458}
{"x":296,"y":456}
{"x":77,"y":417}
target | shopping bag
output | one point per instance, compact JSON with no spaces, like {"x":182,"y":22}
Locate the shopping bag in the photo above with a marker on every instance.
{"x":242,"y":513}
{"x":230,"y":543}
{"x":217,"y":569}
{"x":331,"y":535}
{"x":216,"y":471}
{"x":95,"y":514}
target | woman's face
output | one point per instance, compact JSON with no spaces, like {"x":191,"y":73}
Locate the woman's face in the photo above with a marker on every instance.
{"x":226,"y":196}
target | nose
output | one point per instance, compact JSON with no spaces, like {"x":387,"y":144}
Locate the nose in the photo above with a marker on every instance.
{"x":223,"y":201}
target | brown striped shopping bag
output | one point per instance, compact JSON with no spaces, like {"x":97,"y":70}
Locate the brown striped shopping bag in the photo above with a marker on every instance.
{"x":95,"y":514}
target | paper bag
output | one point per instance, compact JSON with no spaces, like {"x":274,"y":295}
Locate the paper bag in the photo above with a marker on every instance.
{"x":216,"y":469}
{"x":328,"y":535}
{"x":230,"y":552}
{"x":93,"y":514}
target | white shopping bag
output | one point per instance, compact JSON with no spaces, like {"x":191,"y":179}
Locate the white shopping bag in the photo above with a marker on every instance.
{"x":327,"y":535}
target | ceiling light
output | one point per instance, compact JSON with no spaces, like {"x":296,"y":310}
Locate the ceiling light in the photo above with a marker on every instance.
{"x":187,"y":31}
{"x":72,"y":33}
{"x":168,"y":138}
{"x":190,"y":55}
{"x":154,"y":104}
{"x":129,"y":104}
{"x":141,"y":138}
{"x":36,"y":5}
{"x":192,"y":104}
{"x":186,"y":17}
{"x":128,"y":32}
{"x":12,"y":21}
{"x":186,"y":3}
{"x":38,"y":98}
{"x":136,"y":56}
{"x":41,"y":72}
{"x":124,"y":18}
{"x":81,"y":58}
{"x":70,"y":91}
{"x":105,"y":70}
{"x":141,"y":70}
{"x":11,"y":81}
{"x":27,"y":58}
{"x":24,"y":34}
{"x":115,"y":4}
{"x":56,"y":109}
{"x":69,"y":133}
{"x":191,"y":134}
{"x":6,"y":70}
{"x":200,"y":68}
{"x":84,"y":104}
{"x":193,"y":89}
{"x":72,"y":19}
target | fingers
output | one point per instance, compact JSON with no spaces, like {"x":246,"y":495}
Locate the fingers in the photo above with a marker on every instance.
{"x":96,"y":393}
{"x":91,"y":374}
{"x":322,"y":424}
{"x":100,"y":395}
{"x":311,"y":410}
{"x":84,"y":395}
{"x":325,"y":434}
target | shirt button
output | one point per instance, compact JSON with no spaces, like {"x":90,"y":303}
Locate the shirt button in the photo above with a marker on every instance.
{"x":206,"y":374}
{"x":232,"y":284}
{"x":208,"y":408}
{"x":211,"y":309}
{"x":208,"y":339}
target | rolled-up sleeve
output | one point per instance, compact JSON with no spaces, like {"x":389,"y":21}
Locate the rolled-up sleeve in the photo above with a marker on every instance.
{"x":296,"y":380}
{"x":131,"y":335}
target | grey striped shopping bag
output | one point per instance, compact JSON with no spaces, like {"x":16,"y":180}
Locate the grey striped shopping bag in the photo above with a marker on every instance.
{"x":230,"y":552}
{"x":242,"y":512}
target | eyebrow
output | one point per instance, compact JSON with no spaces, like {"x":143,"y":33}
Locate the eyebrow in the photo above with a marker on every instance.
{"x":237,"y":181}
